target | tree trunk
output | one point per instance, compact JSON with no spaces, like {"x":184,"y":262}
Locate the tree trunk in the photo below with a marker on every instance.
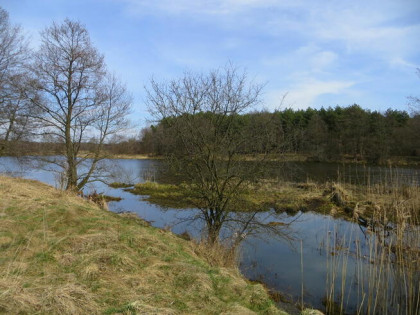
{"x":71,"y":174}
{"x":71,"y":160}
{"x":213,"y":232}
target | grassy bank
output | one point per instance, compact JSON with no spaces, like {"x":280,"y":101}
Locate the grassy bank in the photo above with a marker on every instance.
{"x":63,"y":254}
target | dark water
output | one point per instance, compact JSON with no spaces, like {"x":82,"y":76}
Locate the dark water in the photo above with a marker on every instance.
{"x":358,"y":174}
{"x":274,"y":260}
{"x":322,"y":172}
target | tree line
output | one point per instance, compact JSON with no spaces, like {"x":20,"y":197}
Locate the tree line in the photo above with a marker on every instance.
{"x":326,"y":134}
{"x":322,"y":134}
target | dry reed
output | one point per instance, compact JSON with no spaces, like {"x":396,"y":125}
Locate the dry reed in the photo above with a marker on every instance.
{"x":378,"y":271}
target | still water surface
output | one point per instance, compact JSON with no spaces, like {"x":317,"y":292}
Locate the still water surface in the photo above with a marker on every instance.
{"x":275,"y":261}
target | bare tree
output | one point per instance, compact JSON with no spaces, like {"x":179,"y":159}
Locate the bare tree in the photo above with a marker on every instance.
{"x":414,"y":106}
{"x":414,"y":101}
{"x":14,"y":117}
{"x":14,"y":55}
{"x":79,"y":100}
{"x":200,"y":114}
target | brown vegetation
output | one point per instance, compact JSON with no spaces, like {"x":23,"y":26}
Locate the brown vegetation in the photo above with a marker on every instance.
{"x":63,"y":255}
{"x":387,"y":259}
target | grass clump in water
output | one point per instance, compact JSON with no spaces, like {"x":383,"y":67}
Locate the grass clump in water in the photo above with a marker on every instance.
{"x":166,"y":195}
{"x":262,"y":196}
{"x":119,"y":185}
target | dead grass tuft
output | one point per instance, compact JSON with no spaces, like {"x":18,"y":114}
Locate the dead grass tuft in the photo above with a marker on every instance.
{"x":69,"y":299}
{"x":149,"y":309}
{"x":91,"y":272}
{"x":14,"y":298}
{"x":5,"y":241}
{"x":217,"y":254}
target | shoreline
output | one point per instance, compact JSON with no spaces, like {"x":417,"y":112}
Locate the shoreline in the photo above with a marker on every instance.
{"x":395,"y":161}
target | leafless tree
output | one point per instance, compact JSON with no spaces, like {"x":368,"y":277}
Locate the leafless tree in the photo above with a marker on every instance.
{"x":14,"y":55}
{"x":78,"y":100}
{"x":414,"y":101}
{"x":414,"y":106}
{"x":200,"y":114}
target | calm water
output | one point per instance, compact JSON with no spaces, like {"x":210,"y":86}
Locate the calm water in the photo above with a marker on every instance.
{"x":274,"y":260}
{"x":349,"y":173}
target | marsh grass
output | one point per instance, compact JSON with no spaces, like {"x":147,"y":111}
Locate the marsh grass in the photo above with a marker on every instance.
{"x":261,"y":196}
{"x":61,"y":254}
{"x":165,"y":195}
{"x":378,"y":273}
{"x":119,"y":185}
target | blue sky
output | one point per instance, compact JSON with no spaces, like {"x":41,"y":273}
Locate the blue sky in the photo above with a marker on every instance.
{"x":321,"y":53}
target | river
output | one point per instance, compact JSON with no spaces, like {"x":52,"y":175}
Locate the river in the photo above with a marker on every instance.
{"x":283,"y":264}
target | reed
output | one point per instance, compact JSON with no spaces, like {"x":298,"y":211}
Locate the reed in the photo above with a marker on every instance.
{"x":374,"y":268}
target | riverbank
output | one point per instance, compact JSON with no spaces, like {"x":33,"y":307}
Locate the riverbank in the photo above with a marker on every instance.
{"x":379,"y":237}
{"x":63,"y":254}
{"x":393,"y":161}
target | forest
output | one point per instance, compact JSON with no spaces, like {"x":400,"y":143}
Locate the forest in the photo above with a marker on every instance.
{"x":351,"y":134}
{"x":327,"y":134}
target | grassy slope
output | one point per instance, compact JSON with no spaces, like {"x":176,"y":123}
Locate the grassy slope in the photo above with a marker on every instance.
{"x":62,"y":254}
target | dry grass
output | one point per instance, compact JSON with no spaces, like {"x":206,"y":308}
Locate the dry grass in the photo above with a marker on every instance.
{"x":217,"y":254}
{"x":134,"y":156}
{"x":262,"y":196}
{"x":386,"y":258}
{"x":61,"y":254}
{"x":166,"y":195}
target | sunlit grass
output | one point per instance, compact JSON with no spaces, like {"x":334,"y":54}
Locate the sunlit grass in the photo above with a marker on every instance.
{"x":63,"y":254}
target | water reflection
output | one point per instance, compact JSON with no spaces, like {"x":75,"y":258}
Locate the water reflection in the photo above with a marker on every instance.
{"x":274,"y":260}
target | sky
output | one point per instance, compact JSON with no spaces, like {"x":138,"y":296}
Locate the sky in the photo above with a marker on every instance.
{"x":319,"y":53}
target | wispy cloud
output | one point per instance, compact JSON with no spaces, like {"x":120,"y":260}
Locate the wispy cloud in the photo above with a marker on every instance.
{"x":357,"y":26}
{"x":400,"y":62}
{"x":205,"y":7}
{"x":320,"y":52}
{"x":309,"y":58}
{"x":306,"y":94}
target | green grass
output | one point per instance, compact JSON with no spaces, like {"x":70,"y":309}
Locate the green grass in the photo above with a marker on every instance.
{"x":355,"y":200}
{"x":166,"y":195}
{"x":119,"y":185}
{"x":257,"y":197}
{"x":61,"y":254}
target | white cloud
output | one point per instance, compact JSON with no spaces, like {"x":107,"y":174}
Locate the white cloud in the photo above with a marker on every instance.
{"x":323,"y":60}
{"x":313,"y":58}
{"x":211,"y":7}
{"x":359,"y":26}
{"x":308,"y":58}
{"x":305,"y":95}
{"x":311,"y":48}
